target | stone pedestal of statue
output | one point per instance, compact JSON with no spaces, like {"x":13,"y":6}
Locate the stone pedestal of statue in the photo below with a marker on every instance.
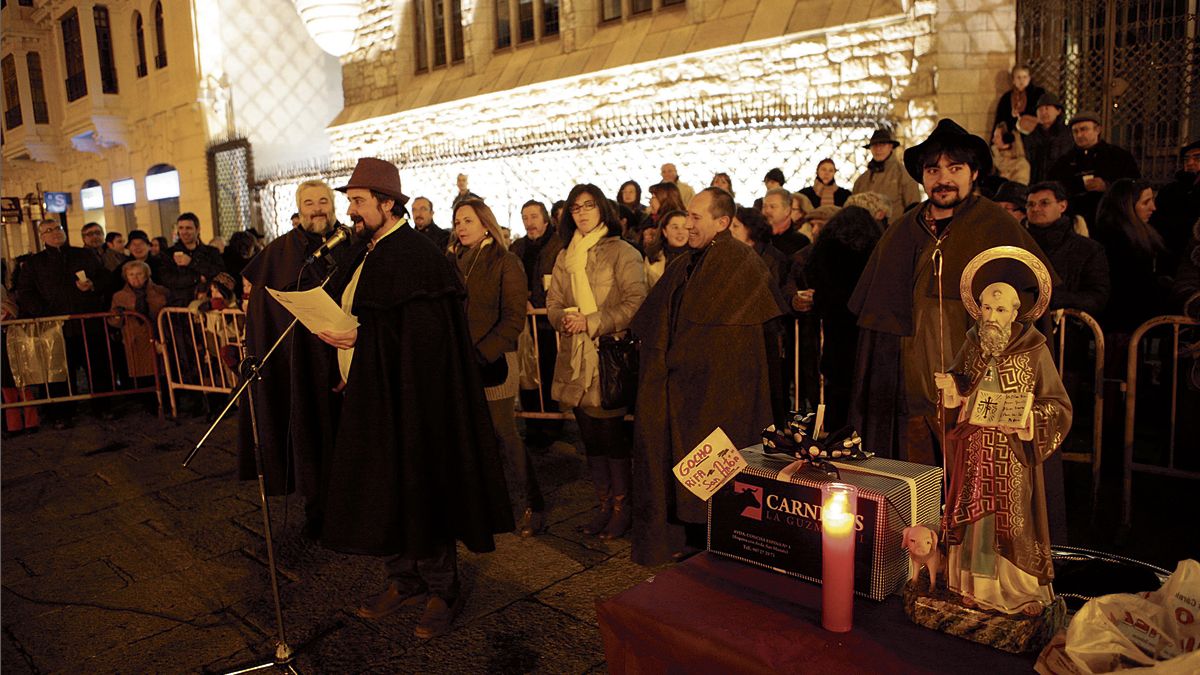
{"x":942,"y":610}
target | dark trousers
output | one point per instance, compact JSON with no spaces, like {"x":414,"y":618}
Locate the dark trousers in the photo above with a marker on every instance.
{"x":437,"y":574}
{"x":610,"y":437}
{"x":524,"y":491}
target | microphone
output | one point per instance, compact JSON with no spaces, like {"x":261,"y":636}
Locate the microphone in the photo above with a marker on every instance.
{"x":340,"y":235}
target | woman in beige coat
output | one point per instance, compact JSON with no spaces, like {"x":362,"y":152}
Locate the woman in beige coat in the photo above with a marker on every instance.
{"x":597,"y":286}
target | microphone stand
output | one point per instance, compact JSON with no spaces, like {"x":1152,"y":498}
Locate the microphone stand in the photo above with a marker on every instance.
{"x":251,"y":371}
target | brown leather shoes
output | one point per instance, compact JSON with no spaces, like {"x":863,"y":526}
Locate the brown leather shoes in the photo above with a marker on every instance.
{"x":437,"y":618}
{"x":388,"y":602}
{"x":532,"y":523}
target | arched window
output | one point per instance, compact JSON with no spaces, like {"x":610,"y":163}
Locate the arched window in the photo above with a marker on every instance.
{"x":160,"y":40}
{"x":139,"y":40}
{"x":104,"y":49}
{"x":91,"y":195}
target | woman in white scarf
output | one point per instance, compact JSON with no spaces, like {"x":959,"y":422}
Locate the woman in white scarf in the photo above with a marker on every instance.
{"x":597,"y":286}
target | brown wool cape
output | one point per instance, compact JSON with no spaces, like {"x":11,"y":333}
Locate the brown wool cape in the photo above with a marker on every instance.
{"x":891,"y":284}
{"x":703,"y":365}
{"x":415,"y":463}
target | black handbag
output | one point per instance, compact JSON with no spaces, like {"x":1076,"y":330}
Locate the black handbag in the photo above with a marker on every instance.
{"x":495,"y":373}
{"x":618,"y":371}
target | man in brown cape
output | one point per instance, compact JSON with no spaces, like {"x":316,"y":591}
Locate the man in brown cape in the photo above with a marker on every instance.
{"x":894,"y":404}
{"x":414,"y":467}
{"x":995,"y":521}
{"x":704,"y":365}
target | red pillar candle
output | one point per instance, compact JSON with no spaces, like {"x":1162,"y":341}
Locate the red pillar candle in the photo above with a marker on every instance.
{"x":839,"y":502}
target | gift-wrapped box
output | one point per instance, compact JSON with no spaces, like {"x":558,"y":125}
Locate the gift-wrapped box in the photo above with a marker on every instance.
{"x":772,"y":518}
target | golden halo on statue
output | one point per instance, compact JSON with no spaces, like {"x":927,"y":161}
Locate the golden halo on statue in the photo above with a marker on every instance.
{"x":1013,"y":253}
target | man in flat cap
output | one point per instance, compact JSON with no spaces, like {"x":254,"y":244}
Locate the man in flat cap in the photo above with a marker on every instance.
{"x":885,"y":175}
{"x":1091,"y":166}
{"x":894,"y":404}
{"x":414,"y":467}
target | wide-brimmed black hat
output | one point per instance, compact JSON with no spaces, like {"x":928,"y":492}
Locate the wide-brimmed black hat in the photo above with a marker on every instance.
{"x":372,"y":173}
{"x":1011,"y":193}
{"x":1194,"y":145}
{"x":947,"y":134}
{"x":882,"y":136}
{"x":1049,"y":99}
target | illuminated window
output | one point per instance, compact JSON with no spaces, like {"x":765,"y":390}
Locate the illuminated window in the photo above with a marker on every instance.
{"x":612,"y":10}
{"x":104,"y":49}
{"x":139,"y":40}
{"x":525,"y":21}
{"x":37,"y":88}
{"x":12,"y":94}
{"x":160,"y":39}
{"x":73,"y":56}
{"x":441,"y":20}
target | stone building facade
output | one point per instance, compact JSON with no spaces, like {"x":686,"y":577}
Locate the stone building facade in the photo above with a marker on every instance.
{"x":150,"y":86}
{"x":711,"y":85}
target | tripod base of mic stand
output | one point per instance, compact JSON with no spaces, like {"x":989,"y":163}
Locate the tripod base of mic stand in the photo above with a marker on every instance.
{"x":283,"y":662}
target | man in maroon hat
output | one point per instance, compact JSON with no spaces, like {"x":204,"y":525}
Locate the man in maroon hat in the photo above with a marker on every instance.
{"x":414,"y":467}
{"x":894,"y":405}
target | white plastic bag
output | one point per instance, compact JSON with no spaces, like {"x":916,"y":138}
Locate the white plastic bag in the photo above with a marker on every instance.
{"x":1155,"y":632}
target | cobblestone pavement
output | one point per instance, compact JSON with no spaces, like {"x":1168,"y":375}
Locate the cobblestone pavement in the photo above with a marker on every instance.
{"x":115,"y":558}
{"x":118,"y":559}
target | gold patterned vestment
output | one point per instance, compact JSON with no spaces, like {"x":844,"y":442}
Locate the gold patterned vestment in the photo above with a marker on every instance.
{"x":995,"y":478}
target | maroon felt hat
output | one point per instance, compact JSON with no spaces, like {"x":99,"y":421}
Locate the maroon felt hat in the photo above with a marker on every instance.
{"x":372,"y":173}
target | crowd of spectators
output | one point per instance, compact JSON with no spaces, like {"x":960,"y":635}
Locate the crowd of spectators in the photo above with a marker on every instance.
{"x":1123,"y":250}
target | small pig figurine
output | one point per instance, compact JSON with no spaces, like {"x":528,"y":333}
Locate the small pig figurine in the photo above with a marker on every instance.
{"x":921,"y":543}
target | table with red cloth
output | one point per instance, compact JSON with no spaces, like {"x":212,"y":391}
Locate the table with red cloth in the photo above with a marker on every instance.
{"x":714,"y":615}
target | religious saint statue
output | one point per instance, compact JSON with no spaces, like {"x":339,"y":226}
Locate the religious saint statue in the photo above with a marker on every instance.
{"x":1014,"y":414}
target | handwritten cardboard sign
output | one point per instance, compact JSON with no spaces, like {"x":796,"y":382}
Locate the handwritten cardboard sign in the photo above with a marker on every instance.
{"x":709,"y":465}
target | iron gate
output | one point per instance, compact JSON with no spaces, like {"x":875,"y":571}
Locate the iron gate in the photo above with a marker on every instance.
{"x":1132,"y":61}
{"x":230,"y":171}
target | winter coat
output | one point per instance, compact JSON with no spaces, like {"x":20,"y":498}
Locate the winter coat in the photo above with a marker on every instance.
{"x":618,"y":280}
{"x":538,"y":256}
{"x":496,"y":296}
{"x":1102,"y":160}
{"x":181,"y":282}
{"x":1080,"y":263}
{"x":1044,"y":147}
{"x":894,"y":182}
{"x":46,"y":286}
{"x":138,"y":337}
{"x":1011,"y":164}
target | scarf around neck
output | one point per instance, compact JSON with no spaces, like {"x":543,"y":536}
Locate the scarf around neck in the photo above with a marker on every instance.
{"x":575,"y":260}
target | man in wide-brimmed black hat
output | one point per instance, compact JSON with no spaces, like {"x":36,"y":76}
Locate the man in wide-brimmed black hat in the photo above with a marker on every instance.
{"x":895,"y":402}
{"x":885,"y":175}
{"x":1049,"y":140}
{"x":414,"y":467}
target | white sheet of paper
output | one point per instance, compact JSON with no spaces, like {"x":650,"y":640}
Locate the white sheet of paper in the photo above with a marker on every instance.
{"x":315,"y":309}
{"x":710,"y":465}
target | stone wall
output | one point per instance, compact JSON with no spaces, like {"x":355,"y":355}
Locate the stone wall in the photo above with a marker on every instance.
{"x":976,"y":49}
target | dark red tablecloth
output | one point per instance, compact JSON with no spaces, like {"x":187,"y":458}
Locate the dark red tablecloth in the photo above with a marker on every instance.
{"x":714,"y":615}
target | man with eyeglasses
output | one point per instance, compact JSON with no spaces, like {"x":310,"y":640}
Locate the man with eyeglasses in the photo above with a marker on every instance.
{"x":1080,"y":262}
{"x":61,"y":279}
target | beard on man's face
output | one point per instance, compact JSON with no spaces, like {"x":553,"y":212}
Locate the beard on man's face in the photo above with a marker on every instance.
{"x":992,"y":338}
{"x":946,"y":196}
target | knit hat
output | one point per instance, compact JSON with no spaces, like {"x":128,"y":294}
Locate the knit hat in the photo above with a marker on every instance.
{"x":821,"y":213}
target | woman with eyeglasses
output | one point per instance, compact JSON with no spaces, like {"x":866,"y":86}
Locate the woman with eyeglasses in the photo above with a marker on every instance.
{"x":597,"y":286}
{"x":497,"y":291}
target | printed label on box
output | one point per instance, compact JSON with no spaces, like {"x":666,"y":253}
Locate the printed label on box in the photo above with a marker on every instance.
{"x":710,"y":465}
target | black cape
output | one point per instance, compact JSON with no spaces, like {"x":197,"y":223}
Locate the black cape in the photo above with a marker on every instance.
{"x":295,"y":403}
{"x":415,"y":463}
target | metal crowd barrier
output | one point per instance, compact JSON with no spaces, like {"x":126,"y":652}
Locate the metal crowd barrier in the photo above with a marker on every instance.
{"x":201,"y":350}
{"x":1097,"y":336}
{"x":1176,"y":323}
{"x":78,"y":357}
